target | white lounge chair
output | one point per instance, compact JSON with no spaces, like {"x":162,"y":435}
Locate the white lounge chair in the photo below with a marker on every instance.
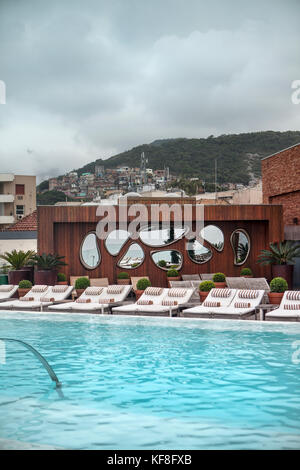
{"x":288,"y":310}
{"x":243,"y":304}
{"x":157,"y":301}
{"x":42,"y":296}
{"x":30,"y":300}
{"x":7,"y":291}
{"x":96,"y":299}
{"x":109,"y":297}
{"x":216,"y":299}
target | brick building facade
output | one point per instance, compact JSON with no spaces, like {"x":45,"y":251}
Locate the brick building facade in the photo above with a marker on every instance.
{"x":281,"y":183}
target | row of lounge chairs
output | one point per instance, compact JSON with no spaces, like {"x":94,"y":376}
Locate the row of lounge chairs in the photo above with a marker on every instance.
{"x":220,"y":303}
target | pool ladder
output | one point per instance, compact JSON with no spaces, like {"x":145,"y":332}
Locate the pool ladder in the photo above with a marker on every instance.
{"x":47,"y":366}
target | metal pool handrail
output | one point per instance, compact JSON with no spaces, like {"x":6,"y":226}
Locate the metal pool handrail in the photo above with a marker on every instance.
{"x":47,"y":366}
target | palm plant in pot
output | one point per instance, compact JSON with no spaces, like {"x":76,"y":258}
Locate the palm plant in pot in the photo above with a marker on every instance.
{"x":141,"y":285}
{"x":123,"y":278}
{"x":219,"y":280}
{"x":204,"y":288}
{"x":173,"y":275}
{"x":46,"y":268}
{"x":18,"y":261}
{"x":281,"y":257}
{"x":278,"y":286}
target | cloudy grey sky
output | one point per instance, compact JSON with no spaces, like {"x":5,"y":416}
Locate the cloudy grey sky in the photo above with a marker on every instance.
{"x":91,"y":78}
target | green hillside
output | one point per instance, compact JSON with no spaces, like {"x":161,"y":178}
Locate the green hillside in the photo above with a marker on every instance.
{"x":238,"y":155}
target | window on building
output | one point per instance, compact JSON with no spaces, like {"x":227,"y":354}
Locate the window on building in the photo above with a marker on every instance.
{"x":20,"y":210}
{"x":20,"y":189}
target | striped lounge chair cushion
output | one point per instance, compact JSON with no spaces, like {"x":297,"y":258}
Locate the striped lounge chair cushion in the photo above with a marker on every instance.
{"x":83,"y":300}
{"x":291,"y":307}
{"x":39,"y":288}
{"x":26,"y":299}
{"x":248,"y":294}
{"x":207,"y":303}
{"x":169,"y":303}
{"x":153,"y":291}
{"x":93,"y":290}
{"x":293,"y":295}
{"x":144,"y":302}
{"x":115,"y":289}
{"x":221,"y":293}
{"x":6,"y":288}
{"x":176,"y":292}
{"x":242,"y":305}
{"x":47,"y":299}
{"x":106,"y":301}
{"x":59,"y":289}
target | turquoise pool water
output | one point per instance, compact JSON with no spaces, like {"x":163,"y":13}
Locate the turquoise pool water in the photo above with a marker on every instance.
{"x":148,"y":383}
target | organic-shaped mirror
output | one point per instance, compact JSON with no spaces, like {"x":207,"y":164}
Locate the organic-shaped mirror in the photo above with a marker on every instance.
{"x":90,"y":255}
{"x":155,"y":235}
{"x":115,"y":240}
{"x":167,"y":258}
{"x":198,"y":252}
{"x":133,"y":257}
{"x":240,"y":242}
{"x":214,"y":236}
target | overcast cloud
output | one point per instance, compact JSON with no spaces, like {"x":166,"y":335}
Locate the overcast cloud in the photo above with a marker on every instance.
{"x":89,"y":79}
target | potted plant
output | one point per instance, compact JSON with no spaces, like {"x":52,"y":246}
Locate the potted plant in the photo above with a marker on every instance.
{"x":123,"y":278}
{"x":61,"y":279}
{"x":18,"y":262}
{"x":204,"y":288}
{"x":46,"y":268}
{"x":24,"y":287}
{"x":281,"y":256}
{"x":173,"y":275}
{"x":278,"y":286}
{"x":81,"y":284}
{"x":141,"y":285}
{"x":246,"y":272}
{"x":219,"y":280}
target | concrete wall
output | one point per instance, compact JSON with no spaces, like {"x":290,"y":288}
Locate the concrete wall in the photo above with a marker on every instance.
{"x":17,"y":241}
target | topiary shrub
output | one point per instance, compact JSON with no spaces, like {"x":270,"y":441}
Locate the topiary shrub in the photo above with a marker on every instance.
{"x":82,"y":283}
{"x":162,"y":263}
{"x":206,"y":286}
{"x":219,"y":277}
{"x":143,"y":283}
{"x":278,"y":284}
{"x":61,"y":277}
{"x":172,"y":273}
{"x":246,"y":272}
{"x":123,"y":275}
{"x":25,"y":284}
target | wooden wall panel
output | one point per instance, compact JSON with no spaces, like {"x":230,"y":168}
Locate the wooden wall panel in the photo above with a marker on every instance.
{"x":61,"y":229}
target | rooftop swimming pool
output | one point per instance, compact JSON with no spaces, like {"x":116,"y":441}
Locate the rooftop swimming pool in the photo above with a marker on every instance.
{"x":149,"y":383}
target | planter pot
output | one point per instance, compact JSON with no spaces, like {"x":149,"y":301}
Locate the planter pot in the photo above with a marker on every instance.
{"x":177,"y":278}
{"x":23,"y":292}
{"x":79,"y":292}
{"x":123,"y":282}
{"x":220,"y":285}
{"x":285,"y":271}
{"x":275,"y":297}
{"x":30,"y":269}
{"x":138,"y":293}
{"x":61,"y":283}
{"x":3,"y":279}
{"x":247,"y":276}
{"x":203,"y":296}
{"x":14,"y":277}
{"x":47,"y":277}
